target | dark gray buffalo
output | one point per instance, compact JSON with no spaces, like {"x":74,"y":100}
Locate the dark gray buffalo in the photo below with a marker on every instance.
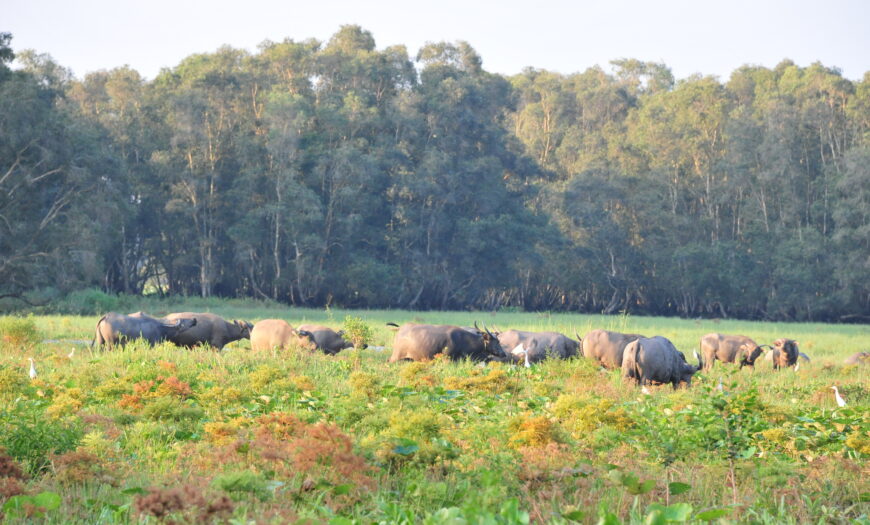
{"x":606,"y":347}
{"x":422,"y":342}
{"x":539,"y":345}
{"x":210,"y":329}
{"x":325,"y":338}
{"x":860,"y":358}
{"x":115,"y":328}
{"x":656,"y":360}
{"x":728,"y":349}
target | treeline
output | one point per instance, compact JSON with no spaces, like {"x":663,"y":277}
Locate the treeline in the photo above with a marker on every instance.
{"x":320,"y":173}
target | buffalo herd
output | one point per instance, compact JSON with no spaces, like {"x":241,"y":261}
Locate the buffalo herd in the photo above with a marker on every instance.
{"x":643,"y":360}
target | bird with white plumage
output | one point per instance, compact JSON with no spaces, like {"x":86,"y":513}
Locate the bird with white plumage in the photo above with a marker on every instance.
{"x":32,"y":372}
{"x":521,"y":350}
{"x":840,"y":401}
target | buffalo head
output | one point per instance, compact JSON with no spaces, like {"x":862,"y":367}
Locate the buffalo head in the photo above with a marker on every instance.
{"x":749,"y":355}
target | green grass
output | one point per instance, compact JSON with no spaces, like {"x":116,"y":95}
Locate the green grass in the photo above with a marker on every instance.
{"x":285,"y":436}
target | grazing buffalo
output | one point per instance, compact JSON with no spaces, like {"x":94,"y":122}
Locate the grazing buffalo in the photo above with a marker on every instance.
{"x":269,"y":334}
{"x":539,"y":345}
{"x":422,"y":342}
{"x":728,"y":349}
{"x":606,"y":347}
{"x":785,"y":353}
{"x":860,"y":358}
{"x":326,"y":339}
{"x":115,"y":328}
{"x":211,"y":330}
{"x":655,"y":359}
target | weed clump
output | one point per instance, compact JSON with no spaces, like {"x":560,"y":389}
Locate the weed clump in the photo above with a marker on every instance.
{"x":11,"y":381}
{"x":416,"y":374}
{"x":583,"y":415}
{"x":496,"y":381}
{"x":364,"y":384}
{"x":532,"y":431}
{"x":187,"y":504}
{"x":80,"y":466}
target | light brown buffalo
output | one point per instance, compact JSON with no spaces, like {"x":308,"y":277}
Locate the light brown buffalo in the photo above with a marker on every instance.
{"x":422,"y":342}
{"x":270,"y":334}
{"x":860,"y":358}
{"x":325,"y":338}
{"x":210,"y":329}
{"x":728,"y":349}
{"x":606,"y":347}
{"x":785,"y":353}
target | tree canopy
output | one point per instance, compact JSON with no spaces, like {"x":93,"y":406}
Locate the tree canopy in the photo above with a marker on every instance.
{"x":335,"y":172}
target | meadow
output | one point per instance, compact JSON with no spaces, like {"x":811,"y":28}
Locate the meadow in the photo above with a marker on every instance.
{"x":163,"y":434}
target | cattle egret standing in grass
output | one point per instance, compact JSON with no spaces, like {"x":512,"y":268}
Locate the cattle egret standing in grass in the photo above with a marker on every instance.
{"x":32,"y":369}
{"x":720,"y":387}
{"x":645,"y":390}
{"x":840,"y":401}
{"x":71,"y":353}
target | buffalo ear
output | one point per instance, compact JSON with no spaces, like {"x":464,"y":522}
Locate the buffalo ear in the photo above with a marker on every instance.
{"x":340,"y":333}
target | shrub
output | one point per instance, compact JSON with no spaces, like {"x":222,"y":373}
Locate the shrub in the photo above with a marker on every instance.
{"x":18,"y":331}
{"x":88,"y":302}
{"x":357,"y":331}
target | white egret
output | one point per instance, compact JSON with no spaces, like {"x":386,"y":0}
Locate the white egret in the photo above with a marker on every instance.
{"x":645,"y":390}
{"x":71,"y":353}
{"x":521,"y":350}
{"x":840,"y":401}
{"x":32,"y":369}
{"x":720,"y":387}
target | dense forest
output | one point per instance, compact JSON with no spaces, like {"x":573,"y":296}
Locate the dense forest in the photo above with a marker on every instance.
{"x":318,"y":173}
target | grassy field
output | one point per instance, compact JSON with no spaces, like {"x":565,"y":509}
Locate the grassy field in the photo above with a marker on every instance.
{"x":166,"y":434}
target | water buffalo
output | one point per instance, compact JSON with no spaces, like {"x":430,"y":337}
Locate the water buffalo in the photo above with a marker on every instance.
{"x":539,"y":345}
{"x":785,"y":353}
{"x":728,"y":349}
{"x":114,"y":328}
{"x":768,"y":356}
{"x":421,"y":342}
{"x":211,"y":330}
{"x":606,"y":347}
{"x":860,"y":358}
{"x":269,"y":334}
{"x":326,"y":339}
{"x":655,"y":359}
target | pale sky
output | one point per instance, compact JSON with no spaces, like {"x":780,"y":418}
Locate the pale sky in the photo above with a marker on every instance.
{"x":710,"y":37}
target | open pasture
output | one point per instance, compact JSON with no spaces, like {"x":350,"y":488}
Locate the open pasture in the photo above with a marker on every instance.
{"x":167,"y":434}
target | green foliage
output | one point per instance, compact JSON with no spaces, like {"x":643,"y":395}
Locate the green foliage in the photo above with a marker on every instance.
{"x":31,"y":437}
{"x":88,"y":302}
{"x":37,"y":506}
{"x":238,"y":484}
